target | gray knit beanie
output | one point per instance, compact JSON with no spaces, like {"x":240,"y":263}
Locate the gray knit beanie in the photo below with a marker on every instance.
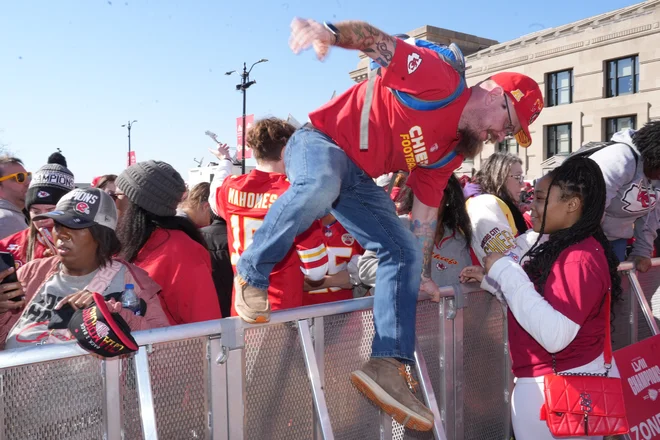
{"x":154,"y":186}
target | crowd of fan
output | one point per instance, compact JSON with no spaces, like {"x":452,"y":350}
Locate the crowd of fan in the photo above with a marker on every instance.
{"x":179,"y":247}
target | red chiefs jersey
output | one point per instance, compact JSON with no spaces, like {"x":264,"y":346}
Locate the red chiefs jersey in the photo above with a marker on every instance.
{"x":341,"y":247}
{"x":401,"y":138}
{"x":243,"y":202}
{"x":17,"y":245}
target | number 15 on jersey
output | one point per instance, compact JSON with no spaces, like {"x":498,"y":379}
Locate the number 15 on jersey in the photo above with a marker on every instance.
{"x":243,"y":229}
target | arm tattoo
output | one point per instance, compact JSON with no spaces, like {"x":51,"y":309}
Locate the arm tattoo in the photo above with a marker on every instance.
{"x":375,"y":43}
{"x":384,"y":51}
{"x":425,"y":232}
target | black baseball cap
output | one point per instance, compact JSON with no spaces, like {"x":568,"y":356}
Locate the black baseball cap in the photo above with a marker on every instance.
{"x":101,"y":331}
{"x":82,"y":208}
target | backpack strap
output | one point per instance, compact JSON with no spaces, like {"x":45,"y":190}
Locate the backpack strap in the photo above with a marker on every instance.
{"x":366,"y":109}
{"x":635,"y":153}
{"x":104,"y":277}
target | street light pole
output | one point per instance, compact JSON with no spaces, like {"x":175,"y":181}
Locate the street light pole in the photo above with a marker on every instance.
{"x":242,"y":87}
{"x":129,"y":125}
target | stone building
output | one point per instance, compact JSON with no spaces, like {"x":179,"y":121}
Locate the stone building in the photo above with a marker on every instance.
{"x":598,"y":75}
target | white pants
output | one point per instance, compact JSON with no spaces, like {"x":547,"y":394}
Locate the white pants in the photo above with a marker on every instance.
{"x":528,"y":398}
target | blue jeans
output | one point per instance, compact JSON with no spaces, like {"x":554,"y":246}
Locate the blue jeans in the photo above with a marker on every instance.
{"x":619,"y":247}
{"x":325,"y":180}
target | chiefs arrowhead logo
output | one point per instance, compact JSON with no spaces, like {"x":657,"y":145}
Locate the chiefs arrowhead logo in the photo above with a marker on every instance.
{"x":413,"y":62}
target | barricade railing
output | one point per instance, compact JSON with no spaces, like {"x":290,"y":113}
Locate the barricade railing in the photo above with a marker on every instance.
{"x":288,"y":379}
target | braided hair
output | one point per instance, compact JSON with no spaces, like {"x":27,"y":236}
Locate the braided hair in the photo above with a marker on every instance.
{"x":576,"y":177}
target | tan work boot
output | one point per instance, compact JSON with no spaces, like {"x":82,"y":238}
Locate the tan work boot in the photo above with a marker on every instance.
{"x":250,"y":303}
{"x":386,"y":383}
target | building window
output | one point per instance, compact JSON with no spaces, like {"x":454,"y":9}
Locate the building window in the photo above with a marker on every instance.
{"x":559,"y":139}
{"x":612,"y":125}
{"x":560,"y":88}
{"x":623,"y":76}
{"x":508,"y":146}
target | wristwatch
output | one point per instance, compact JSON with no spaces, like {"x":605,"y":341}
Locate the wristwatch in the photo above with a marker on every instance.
{"x":332,"y":28}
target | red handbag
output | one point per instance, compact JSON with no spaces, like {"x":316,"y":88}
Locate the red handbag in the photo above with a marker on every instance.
{"x":585,"y":404}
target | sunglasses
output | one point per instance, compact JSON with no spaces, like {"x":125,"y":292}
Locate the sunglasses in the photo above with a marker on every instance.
{"x":509,"y":128}
{"x":19,"y":177}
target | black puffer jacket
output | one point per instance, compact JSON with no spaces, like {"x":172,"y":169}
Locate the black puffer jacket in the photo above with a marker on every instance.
{"x":223,"y":275}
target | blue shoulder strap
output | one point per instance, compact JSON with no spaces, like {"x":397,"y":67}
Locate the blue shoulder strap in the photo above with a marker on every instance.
{"x":453,"y":56}
{"x":442,"y":162}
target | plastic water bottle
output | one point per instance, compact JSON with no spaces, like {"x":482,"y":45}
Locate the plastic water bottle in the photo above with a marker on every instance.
{"x":130,"y":300}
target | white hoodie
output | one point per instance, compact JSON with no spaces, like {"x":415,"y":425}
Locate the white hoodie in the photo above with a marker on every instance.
{"x":631,"y":198}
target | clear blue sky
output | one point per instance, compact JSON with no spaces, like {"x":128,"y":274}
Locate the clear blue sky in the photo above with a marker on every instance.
{"x":73,"y":71}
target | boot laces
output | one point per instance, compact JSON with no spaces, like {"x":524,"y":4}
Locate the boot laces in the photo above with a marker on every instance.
{"x":404,"y":371}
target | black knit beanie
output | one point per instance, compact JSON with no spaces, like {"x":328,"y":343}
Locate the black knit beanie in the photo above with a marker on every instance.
{"x":154,"y":186}
{"x":48,"y":185}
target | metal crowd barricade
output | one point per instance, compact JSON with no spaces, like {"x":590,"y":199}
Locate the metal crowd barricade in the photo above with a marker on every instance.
{"x":288,"y":379}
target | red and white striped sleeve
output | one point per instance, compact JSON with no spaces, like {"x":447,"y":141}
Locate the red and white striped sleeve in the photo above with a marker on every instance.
{"x":312,"y":252}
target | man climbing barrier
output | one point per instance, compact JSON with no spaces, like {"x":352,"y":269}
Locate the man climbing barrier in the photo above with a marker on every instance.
{"x":416,"y":114}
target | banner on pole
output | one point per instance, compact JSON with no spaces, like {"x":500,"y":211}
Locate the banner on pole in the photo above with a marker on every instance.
{"x":131,"y":158}
{"x":249,"y":122}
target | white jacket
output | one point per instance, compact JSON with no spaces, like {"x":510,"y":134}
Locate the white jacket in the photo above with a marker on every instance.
{"x":224,"y":171}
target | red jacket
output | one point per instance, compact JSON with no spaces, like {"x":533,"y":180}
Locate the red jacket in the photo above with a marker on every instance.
{"x":183,"y":268}
{"x":34,"y":274}
{"x":17,"y":245}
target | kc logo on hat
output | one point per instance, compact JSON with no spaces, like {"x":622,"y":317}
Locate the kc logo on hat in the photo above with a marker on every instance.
{"x":43,"y":194}
{"x":83,"y":208}
{"x":527,"y":100}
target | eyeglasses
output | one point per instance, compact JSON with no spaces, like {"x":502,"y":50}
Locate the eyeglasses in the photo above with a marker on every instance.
{"x":520,"y":177}
{"x":509,"y":128}
{"x":116,"y":195}
{"x":19,"y":177}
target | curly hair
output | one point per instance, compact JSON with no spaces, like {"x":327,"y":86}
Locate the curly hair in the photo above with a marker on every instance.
{"x":267,"y":138}
{"x":492,"y":179}
{"x":494,"y":173}
{"x":577,"y":177}
{"x":647,"y":141}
